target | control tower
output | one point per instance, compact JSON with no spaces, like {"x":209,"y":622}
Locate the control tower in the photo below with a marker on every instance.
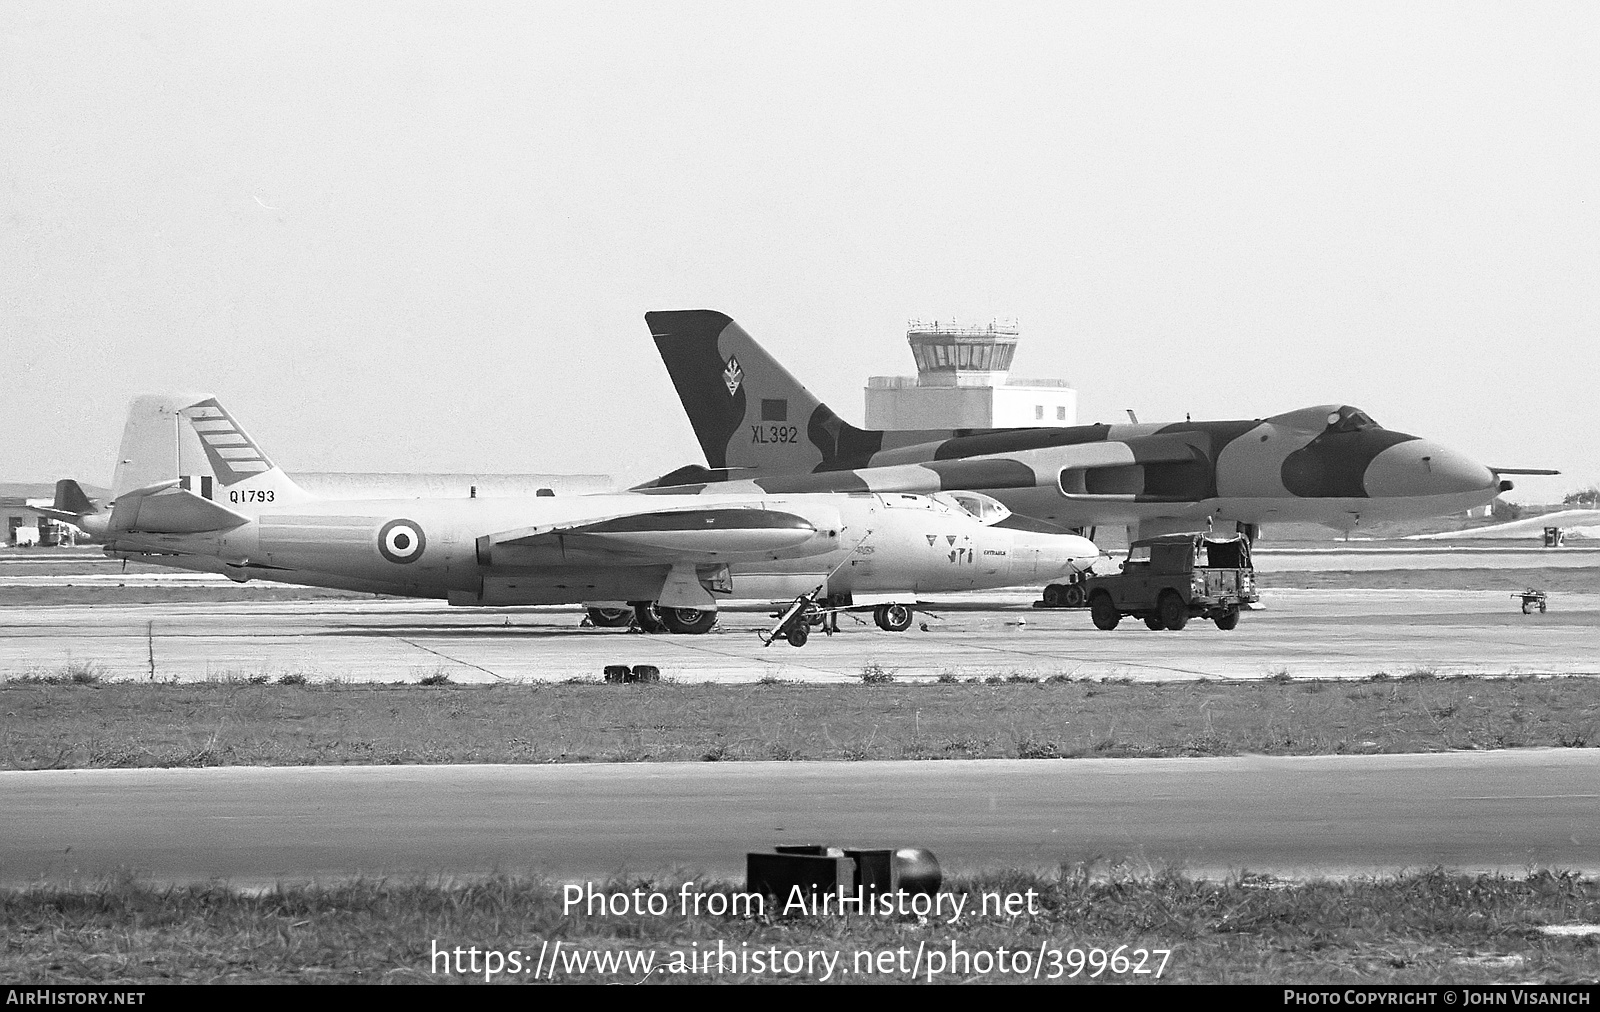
{"x":961,"y":383}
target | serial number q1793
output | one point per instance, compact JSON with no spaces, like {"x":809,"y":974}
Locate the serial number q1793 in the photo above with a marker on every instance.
{"x":251,"y":495}
{"x":774,"y":434}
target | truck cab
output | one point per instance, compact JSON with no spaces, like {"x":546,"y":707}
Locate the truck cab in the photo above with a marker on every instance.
{"x":1168,"y":580}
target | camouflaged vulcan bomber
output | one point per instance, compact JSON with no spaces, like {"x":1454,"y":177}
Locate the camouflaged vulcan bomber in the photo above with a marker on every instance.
{"x":1331,"y":464}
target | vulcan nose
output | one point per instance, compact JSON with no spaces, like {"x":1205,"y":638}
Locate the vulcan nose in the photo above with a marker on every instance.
{"x":1418,"y":467}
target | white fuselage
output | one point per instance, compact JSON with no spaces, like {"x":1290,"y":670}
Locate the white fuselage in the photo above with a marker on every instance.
{"x":863,"y":544}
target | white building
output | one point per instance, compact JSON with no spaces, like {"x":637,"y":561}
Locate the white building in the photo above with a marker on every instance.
{"x":961,"y":383}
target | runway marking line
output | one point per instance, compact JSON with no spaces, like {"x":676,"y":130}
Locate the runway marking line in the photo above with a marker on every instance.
{"x":440,"y":653}
{"x":1082,"y":661}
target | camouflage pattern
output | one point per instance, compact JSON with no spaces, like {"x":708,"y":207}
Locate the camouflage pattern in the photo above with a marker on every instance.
{"x":761,"y":429}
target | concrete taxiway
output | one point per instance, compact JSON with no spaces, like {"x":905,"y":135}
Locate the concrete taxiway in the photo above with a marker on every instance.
{"x":1333,"y":633}
{"x":1508,"y":811}
{"x":1308,"y":633}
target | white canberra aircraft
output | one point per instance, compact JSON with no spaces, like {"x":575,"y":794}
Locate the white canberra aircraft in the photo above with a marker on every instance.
{"x":192,"y":490}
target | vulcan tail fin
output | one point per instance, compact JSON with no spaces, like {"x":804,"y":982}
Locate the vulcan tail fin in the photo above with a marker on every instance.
{"x":190,"y":443}
{"x":750,"y":415}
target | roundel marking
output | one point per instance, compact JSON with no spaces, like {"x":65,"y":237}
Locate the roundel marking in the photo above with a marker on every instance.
{"x":401,"y":541}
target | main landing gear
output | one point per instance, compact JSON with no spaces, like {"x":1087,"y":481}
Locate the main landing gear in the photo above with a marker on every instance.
{"x":1065,"y":595}
{"x":652,"y":618}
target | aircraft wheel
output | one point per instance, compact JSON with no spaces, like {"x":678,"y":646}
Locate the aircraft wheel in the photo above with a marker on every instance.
{"x":1228,"y":619}
{"x":611,"y":618}
{"x":1103,"y":612}
{"x":1174,"y":613}
{"x":798,"y":636}
{"x":691,"y":621}
{"x":1072,"y":597}
{"x":1527,"y":607}
{"x":1154,"y":622}
{"x":1541,"y":607}
{"x":649,"y":618}
{"x":892,"y":617}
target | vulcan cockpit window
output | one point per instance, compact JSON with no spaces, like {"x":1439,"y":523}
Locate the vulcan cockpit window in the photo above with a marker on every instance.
{"x":1348,"y":419}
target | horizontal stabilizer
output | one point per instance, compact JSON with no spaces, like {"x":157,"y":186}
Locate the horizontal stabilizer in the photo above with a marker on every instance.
{"x":54,"y":514}
{"x":1522,"y":470}
{"x":164,"y":508}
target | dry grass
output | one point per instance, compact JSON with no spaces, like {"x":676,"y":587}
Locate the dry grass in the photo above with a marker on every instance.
{"x":1426,"y":928}
{"x":59,"y":723}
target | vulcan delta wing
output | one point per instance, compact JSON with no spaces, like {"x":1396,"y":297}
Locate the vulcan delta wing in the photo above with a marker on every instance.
{"x":1333,"y":464}
{"x":194,"y":491}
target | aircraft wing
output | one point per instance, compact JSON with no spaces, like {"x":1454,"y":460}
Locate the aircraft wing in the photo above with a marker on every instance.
{"x":1114,"y":464}
{"x":655,"y":536}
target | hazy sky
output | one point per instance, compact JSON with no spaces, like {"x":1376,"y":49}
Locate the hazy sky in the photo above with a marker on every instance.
{"x":424,"y":236}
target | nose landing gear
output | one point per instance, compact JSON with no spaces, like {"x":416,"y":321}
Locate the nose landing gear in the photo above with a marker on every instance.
{"x":892,"y":617}
{"x":812,"y":611}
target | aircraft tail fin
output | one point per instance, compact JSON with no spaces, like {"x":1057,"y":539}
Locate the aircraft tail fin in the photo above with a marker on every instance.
{"x":72,"y":506}
{"x":71,"y":500}
{"x":748,"y":412}
{"x":191,"y":442}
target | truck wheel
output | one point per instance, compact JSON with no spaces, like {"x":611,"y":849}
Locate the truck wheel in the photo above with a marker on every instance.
{"x":1052,"y":596}
{"x":1228,"y":619}
{"x":1073,"y":597}
{"x":1154,"y":622}
{"x":649,"y":618}
{"x":1174,"y":613}
{"x":1102,"y":612}
{"x":892,"y":617}
{"x":611,"y":618}
{"x":690,"y":621}
{"x":798,"y":636}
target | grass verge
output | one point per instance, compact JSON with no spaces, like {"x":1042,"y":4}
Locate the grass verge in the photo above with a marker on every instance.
{"x":60,"y":722}
{"x":1425,"y":928}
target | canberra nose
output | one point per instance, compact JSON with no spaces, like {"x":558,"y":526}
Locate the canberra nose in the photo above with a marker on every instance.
{"x":1063,"y":554}
{"x":1418,"y":467}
